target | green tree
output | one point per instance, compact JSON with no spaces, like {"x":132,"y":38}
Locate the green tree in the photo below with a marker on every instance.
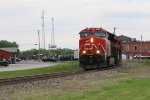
{"x":58,"y":51}
{"x":5,"y":44}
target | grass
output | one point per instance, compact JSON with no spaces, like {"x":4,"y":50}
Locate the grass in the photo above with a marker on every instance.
{"x":147,"y":63}
{"x":134,"y":89}
{"x":65,"y":67}
{"x":131,"y":89}
{"x":118,"y":86}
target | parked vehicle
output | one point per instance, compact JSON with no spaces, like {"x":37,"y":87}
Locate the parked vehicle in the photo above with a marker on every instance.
{"x":12,"y":60}
{"x":49,"y":59}
{"x":18,"y":60}
{"x":9,"y":61}
{"x":3,"y":62}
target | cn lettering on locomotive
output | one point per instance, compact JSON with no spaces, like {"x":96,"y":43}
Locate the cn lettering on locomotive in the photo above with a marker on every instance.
{"x":98,"y":48}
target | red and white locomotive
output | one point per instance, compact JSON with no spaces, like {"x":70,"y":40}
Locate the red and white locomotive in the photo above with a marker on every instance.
{"x":98,"y":48}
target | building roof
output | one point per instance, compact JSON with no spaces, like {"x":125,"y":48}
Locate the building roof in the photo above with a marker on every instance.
{"x":11,"y":50}
{"x":126,"y":38}
{"x":137,"y":42}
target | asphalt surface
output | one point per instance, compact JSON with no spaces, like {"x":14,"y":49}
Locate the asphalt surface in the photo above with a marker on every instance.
{"x":28,"y":64}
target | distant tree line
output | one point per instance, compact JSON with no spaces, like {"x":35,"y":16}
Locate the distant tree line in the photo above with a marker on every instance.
{"x":34,"y":52}
{"x":5,"y":44}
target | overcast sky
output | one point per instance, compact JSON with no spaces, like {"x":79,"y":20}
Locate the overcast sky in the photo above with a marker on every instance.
{"x":20,"y":19}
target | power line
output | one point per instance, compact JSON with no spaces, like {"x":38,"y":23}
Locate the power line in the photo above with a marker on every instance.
{"x":18,"y":31}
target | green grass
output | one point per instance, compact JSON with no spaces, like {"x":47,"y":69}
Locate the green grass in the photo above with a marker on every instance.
{"x":127,"y":90}
{"x":65,"y":67}
{"x":135,"y":89}
{"x":131,"y":89}
{"x":147,"y":63}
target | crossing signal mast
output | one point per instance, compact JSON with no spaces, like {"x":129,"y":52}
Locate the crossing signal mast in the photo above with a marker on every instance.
{"x":52,"y":45}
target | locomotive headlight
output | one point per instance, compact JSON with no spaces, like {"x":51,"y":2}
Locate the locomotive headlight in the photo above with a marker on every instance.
{"x":98,"y":52}
{"x":84,"y":52}
{"x":92,"y":40}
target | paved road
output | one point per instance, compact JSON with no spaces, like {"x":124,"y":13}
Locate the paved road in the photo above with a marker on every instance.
{"x":27,"y":65}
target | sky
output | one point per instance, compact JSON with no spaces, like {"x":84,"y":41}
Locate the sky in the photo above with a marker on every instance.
{"x":20,"y":20}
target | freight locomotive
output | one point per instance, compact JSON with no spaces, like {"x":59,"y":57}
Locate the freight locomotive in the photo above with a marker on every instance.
{"x":98,"y":48}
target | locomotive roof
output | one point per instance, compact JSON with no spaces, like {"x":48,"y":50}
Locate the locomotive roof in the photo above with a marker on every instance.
{"x":93,"y":29}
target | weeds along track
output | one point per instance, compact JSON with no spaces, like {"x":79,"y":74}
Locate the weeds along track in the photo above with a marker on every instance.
{"x":17,"y":80}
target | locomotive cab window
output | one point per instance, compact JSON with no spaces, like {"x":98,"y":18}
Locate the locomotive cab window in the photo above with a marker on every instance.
{"x":85,"y":34}
{"x":100,"y":34}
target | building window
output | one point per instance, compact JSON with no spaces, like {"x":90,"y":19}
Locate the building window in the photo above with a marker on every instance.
{"x":135,"y":48}
{"x":127,"y":47}
{"x":146,"y":49}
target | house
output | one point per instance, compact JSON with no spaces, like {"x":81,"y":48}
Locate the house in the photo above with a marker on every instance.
{"x":5,"y":54}
{"x":136,"y":49}
{"x":133,"y":48}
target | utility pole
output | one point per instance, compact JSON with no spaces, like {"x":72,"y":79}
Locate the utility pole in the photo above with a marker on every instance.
{"x":49,"y":46}
{"x":53,"y":38}
{"x":39,"y":45}
{"x":52,"y":35}
{"x":43,"y":29}
{"x":141,"y":48}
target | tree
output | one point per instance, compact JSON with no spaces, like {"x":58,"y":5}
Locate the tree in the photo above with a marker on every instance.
{"x":58,"y":51}
{"x":5,"y":44}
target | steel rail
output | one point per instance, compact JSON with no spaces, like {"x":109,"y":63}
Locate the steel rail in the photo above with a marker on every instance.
{"x":10,"y":81}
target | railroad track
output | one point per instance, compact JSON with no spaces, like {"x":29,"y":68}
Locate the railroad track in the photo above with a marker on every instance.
{"x":11,"y":81}
{"x":16,"y":80}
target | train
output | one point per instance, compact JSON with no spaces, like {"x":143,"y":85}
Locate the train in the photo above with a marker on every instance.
{"x":99,"y":48}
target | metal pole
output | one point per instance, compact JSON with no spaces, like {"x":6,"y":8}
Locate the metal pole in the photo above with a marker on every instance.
{"x":53,"y":38}
{"x":39,"y":45}
{"x":43,"y":30}
{"x":114,"y":30}
{"x":49,"y":46}
{"x":141,"y":48}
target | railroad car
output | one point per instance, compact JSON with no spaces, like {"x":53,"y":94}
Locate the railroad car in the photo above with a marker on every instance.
{"x":98,"y":48}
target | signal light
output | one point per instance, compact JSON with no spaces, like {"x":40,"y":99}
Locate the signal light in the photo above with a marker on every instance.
{"x":92,"y":40}
{"x":98,"y":52}
{"x":84,"y":52}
